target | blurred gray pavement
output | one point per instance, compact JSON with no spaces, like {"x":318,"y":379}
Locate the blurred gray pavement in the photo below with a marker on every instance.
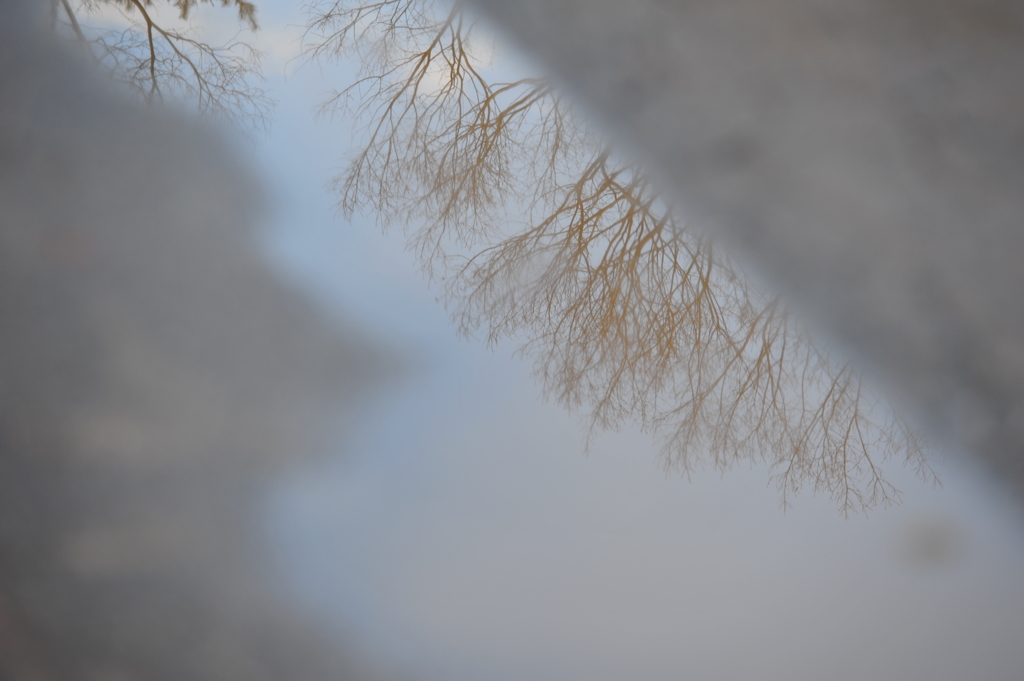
{"x":155,"y":379}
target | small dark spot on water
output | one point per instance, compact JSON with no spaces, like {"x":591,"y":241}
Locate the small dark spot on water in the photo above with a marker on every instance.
{"x":931,"y":541}
{"x":733,"y":153}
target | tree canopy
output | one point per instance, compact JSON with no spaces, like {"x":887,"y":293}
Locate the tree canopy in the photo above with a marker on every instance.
{"x":155,"y":59}
{"x":538,"y":231}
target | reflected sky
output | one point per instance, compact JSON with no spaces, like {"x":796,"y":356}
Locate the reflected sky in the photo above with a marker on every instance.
{"x":463,"y":533}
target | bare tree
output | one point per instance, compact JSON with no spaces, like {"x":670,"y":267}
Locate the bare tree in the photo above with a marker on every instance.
{"x":156,"y":60}
{"x":627,"y":314}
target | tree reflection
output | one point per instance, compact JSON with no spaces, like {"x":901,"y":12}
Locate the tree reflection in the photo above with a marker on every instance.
{"x":155,"y":60}
{"x":628,"y":315}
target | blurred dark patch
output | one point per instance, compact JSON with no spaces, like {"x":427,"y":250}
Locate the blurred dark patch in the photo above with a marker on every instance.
{"x":155,"y":377}
{"x":930,"y":542}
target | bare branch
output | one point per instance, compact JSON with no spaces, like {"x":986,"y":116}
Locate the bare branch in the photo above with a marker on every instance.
{"x":157,"y":61}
